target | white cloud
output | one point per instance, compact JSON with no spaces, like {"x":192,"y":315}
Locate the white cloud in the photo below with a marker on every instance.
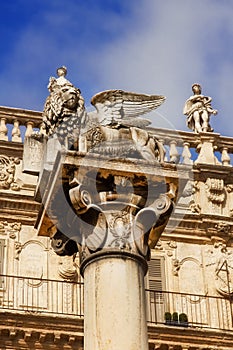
{"x":162,"y":47}
{"x":169,"y":48}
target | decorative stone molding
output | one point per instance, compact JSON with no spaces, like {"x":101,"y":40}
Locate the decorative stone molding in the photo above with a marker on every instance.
{"x":223,"y":227}
{"x":116,"y":216}
{"x":215,"y":190}
{"x":170,"y":247}
{"x":195,"y":207}
{"x":7,"y":173}
{"x":18,"y":249}
{"x":229,"y":188}
{"x":10,"y":228}
{"x":68,"y":269}
{"x":176,"y":267}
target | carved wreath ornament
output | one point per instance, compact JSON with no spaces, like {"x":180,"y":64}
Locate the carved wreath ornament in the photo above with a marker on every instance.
{"x":7,"y":173}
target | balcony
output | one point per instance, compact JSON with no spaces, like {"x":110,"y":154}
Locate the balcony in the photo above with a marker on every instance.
{"x":36,"y":296}
{"x":41,"y":296}
{"x":202,"y":311}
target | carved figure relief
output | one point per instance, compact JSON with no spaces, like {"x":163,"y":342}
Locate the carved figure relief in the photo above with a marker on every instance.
{"x":7,"y":173}
{"x":198,"y":110}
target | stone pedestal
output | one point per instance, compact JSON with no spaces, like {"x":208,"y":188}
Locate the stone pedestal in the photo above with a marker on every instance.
{"x":114,"y":299}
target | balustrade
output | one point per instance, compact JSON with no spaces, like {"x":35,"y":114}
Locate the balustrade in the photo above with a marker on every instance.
{"x":16,"y":123}
{"x":180,"y":146}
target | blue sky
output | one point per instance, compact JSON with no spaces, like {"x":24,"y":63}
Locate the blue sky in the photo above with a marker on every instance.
{"x":148,"y":46}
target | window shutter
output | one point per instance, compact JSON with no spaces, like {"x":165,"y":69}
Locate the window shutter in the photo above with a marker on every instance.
{"x":156,"y":286}
{"x":156,"y":275}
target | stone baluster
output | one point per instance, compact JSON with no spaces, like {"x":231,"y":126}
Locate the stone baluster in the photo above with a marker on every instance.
{"x":29,"y":129}
{"x":165,"y":151}
{"x":3,"y":130}
{"x":174,"y":154}
{"x":186,"y":154}
{"x":42,"y":130}
{"x":82,"y":145}
{"x":226,"y":160}
{"x":16,"y":135}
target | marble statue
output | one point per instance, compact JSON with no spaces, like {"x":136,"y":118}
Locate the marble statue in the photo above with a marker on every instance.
{"x":114,"y":129}
{"x":64,"y":112}
{"x":198,"y":110}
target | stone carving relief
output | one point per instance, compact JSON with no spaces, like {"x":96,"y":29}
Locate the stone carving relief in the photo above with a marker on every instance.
{"x":229,"y":188}
{"x":10,"y":228}
{"x":120,"y":227}
{"x":170,"y":248}
{"x":198,"y":110}
{"x":18,"y":249}
{"x":114,"y":219}
{"x":195,"y":207}
{"x":68,"y":268}
{"x":215,"y":190}
{"x":223,"y":227}
{"x":7,"y":173}
{"x":221,"y":257}
{"x":176,"y":267}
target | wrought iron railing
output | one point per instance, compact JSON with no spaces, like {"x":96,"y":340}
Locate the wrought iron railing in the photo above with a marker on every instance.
{"x":39,"y":296}
{"x":200,"y":311}
{"x":65,"y":298}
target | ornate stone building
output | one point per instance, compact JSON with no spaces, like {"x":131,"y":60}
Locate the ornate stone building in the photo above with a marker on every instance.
{"x":189,"y":283}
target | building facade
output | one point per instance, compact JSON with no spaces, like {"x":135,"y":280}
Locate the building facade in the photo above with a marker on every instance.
{"x":189,"y":284}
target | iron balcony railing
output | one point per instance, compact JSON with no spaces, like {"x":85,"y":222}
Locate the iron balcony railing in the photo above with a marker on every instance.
{"x":65,"y":298}
{"x":37,"y":295}
{"x":193,"y":310}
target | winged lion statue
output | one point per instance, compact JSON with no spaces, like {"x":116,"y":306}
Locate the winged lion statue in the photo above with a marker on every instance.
{"x":115,"y":126}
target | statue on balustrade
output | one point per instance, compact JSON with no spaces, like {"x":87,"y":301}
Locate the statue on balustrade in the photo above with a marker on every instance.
{"x":64,"y":112}
{"x":198,"y":110}
{"x":114,"y":127}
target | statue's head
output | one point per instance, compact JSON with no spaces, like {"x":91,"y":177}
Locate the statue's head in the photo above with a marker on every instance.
{"x":62,"y":71}
{"x":196,"y":88}
{"x":69,"y":97}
